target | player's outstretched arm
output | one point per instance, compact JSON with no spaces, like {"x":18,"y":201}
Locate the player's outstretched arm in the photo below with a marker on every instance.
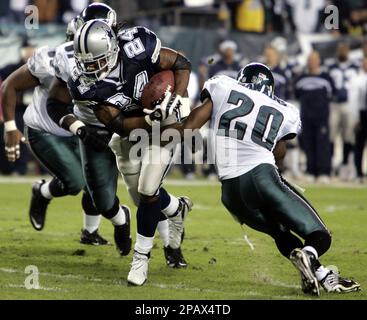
{"x":19,"y":81}
{"x":58,"y":102}
{"x":197,"y":118}
{"x":113,"y":119}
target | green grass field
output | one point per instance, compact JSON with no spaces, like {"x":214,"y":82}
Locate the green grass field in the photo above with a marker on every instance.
{"x":221,"y":264}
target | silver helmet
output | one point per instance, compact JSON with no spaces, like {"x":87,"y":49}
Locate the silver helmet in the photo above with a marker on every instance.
{"x":96,"y":49}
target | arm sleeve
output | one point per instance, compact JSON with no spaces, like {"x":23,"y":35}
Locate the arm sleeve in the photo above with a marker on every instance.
{"x":61,"y":64}
{"x":142,"y":44}
{"x":293,"y":125}
{"x":209,"y":88}
{"x":40,"y":63}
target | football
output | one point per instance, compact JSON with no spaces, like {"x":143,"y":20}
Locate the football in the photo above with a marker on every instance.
{"x":154,"y":91}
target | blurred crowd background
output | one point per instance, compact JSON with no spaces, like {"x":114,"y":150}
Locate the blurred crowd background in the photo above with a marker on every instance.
{"x":323,"y":71}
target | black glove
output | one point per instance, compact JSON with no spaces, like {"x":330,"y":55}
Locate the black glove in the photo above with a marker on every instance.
{"x":94,"y":137}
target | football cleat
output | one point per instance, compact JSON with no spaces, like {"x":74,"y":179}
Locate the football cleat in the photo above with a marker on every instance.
{"x":303,"y":263}
{"x":176,"y":222}
{"x":333,"y":282}
{"x":122,"y":234}
{"x":38,"y":207}
{"x":93,"y":238}
{"x":138,"y":274}
{"x":174,"y":258}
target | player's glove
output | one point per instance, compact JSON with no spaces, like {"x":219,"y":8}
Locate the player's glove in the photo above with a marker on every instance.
{"x":170,"y":105}
{"x":94,"y":137}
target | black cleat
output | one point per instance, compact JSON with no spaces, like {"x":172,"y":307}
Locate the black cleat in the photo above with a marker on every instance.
{"x":303,"y":262}
{"x":333,"y":282}
{"x":38,"y":207}
{"x":93,"y":238}
{"x":174,"y":258}
{"x":122,"y":235}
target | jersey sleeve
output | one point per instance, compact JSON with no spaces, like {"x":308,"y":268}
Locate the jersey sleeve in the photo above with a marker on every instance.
{"x":81,"y":92}
{"x":209,"y":88}
{"x":293,"y":125}
{"x":61,"y":61}
{"x":141,"y":44}
{"x":40,"y":63}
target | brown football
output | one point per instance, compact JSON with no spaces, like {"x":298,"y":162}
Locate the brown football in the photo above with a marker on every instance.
{"x":155,"y":89}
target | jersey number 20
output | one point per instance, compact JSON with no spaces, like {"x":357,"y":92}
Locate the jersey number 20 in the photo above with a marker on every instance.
{"x":267,"y":125}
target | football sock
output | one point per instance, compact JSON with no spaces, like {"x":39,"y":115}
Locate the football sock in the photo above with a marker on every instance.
{"x":143,"y":244}
{"x":312,"y":250}
{"x":147,"y":217}
{"x":164,"y":231}
{"x":170,"y":204}
{"x":45,"y":190}
{"x":119,"y":219}
{"x":321,"y":273}
{"x":91,"y":223}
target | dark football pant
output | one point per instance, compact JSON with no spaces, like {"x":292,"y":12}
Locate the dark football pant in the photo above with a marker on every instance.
{"x":264,"y":201}
{"x":101,"y":176}
{"x":61,"y":158}
{"x":316,"y":144}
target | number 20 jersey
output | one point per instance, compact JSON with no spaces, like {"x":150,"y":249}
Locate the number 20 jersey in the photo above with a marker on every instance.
{"x":245,"y":126}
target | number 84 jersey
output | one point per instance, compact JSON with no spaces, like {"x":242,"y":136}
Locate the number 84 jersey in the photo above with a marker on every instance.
{"x":245,"y":125}
{"x":138,"y":62}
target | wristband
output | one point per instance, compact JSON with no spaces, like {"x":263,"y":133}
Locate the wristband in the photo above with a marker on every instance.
{"x":10,"y":126}
{"x":75,"y":126}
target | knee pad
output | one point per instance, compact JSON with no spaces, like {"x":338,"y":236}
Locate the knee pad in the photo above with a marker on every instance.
{"x":88,"y":205}
{"x":156,"y":163}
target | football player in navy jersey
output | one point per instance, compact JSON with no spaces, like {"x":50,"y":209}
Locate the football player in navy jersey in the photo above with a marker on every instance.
{"x":98,"y":162}
{"x":106,"y":87}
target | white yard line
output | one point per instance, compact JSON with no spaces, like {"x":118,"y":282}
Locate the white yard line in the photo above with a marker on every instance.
{"x":149,"y":284}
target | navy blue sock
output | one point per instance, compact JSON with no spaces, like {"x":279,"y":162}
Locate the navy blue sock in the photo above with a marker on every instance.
{"x":147,"y":217}
{"x":165,"y":198}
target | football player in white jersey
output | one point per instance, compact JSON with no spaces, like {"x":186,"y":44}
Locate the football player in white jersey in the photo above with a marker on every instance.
{"x":55,"y":148}
{"x":250,"y":125}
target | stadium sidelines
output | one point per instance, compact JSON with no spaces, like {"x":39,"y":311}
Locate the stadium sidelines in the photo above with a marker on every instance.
{"x":189,"y":183}
{"x":152,"y":284}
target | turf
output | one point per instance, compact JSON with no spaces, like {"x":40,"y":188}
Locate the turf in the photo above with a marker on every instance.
{"x":221,"y":264}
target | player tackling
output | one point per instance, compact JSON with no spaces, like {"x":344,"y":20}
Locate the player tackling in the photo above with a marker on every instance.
{"x":251,"y":126}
